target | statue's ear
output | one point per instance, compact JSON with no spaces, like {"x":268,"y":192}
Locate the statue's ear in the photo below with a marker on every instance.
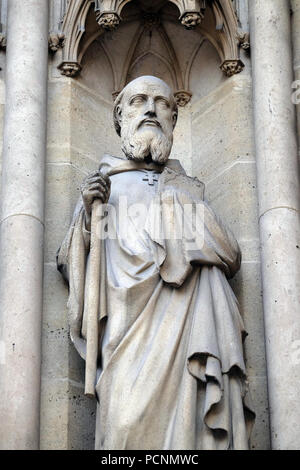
{"x":118,"y":118}
{"x":174,"y":118}
{"x":119,"y":114}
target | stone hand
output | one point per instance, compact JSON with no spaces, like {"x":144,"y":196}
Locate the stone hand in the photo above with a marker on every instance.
{"x":95,"y":186}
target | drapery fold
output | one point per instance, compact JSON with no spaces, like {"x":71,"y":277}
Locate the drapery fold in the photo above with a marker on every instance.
{"x":171,"y":374}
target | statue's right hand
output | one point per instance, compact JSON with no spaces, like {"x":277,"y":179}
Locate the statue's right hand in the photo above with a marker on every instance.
{"x":95,"y":186}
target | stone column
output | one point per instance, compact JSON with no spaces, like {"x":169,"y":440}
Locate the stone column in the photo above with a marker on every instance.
{"x":22,"y":209}
{"x":278,"y":189}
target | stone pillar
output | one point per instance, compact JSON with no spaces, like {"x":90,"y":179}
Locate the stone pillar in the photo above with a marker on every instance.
{"x":278,"y":190}
{"x":22,"y":209}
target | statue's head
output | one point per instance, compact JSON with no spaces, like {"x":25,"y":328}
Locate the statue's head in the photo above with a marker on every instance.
{"x":145,"y":114}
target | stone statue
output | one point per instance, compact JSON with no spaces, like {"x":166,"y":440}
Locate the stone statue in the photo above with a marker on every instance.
{"x":170,"y":368}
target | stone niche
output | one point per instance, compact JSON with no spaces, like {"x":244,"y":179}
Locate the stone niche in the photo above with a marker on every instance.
{"x":213,"y":140}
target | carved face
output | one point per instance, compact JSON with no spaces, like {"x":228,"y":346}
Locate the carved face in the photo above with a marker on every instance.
{"x":146,"y":114}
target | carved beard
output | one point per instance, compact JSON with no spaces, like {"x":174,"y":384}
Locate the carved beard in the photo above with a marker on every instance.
{"x":139,"y":143}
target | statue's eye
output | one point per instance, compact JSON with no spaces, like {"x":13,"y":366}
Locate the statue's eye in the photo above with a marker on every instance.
{"x":137,"y":100}
{"x":163,"y":103}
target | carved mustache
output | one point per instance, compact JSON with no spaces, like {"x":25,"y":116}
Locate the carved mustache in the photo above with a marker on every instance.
{"x":150,"y":120}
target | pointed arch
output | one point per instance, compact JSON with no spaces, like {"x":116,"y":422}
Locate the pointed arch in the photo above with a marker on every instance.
{"x":218,"y":23}
{"x":161,"y":58}
{"x":190,"y":64}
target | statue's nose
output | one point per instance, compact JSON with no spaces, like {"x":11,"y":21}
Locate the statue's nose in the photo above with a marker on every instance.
{"x":151,"y":109}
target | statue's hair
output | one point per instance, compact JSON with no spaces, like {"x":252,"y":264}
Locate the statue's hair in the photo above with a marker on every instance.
{"x":118,"y":102}
{"x":115,"y":116}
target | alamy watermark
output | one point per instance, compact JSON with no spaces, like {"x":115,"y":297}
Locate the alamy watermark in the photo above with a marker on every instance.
{"x":159,"y":221}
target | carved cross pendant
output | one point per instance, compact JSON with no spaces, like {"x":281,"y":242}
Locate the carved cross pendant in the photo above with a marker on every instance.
{"x":151,"y":177}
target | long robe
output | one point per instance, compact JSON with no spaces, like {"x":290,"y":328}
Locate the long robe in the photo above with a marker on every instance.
{"x":171,"y":373}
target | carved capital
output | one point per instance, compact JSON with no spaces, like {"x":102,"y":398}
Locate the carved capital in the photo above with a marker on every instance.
{"x":56,"y":41}
{"x":191,"y":19}
{"x":109,"y":20}
{"x":244,"y":40}
{"x":69,"y":69}
{"x":232,"y":67}
{"x":182,"y":97}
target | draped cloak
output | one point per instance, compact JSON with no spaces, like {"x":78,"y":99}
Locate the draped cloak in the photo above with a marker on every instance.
{"x":171,"y":373}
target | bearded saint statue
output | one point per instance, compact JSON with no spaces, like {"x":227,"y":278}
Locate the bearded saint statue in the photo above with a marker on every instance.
{"x":170,"y":368}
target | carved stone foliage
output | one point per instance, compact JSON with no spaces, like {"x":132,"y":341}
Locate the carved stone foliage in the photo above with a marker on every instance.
{"x":244,"y":40}
{"x":232,"y":67}
{"x":70,"y":69}
{"x":56,"y":41}
{"x":108,"y":21}
{"x":182,"y":97}
{"x":214,"y":20}
{"x":191,"y":19}
{"x":191,"y":12}
{"x":108,"y":13}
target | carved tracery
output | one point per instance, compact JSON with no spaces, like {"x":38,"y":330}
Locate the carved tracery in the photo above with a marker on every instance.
{"x":214,"y":20}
